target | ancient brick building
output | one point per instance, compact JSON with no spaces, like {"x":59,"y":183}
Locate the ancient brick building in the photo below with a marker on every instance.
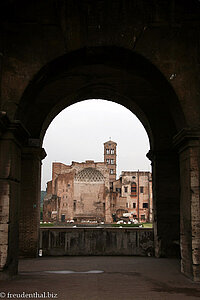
{"x":89,"y":191}
{"x":135,"y":188}
{"x":141,"y":54}
{"x":79,"y":191}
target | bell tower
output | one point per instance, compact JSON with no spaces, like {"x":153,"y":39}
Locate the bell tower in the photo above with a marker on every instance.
{"x":110,"y":158}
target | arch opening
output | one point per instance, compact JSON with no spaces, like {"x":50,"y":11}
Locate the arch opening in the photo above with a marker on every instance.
{"x":123,"y":77}
{"x":79,"y":133}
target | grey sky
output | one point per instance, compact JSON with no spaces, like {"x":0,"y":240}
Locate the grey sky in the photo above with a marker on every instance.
{"x":79,"y":131}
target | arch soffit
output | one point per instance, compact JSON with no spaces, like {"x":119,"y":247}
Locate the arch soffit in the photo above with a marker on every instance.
{"x":109,"y":73}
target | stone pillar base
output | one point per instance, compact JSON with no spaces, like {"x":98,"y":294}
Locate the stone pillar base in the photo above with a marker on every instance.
{"x":188,"y":143}
{"x":29,"y":224}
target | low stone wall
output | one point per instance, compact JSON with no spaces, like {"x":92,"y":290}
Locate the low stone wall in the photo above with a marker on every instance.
{"x":97,"y":241}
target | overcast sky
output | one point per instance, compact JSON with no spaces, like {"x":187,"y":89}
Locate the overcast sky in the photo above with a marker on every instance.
{"x":79,"y":131}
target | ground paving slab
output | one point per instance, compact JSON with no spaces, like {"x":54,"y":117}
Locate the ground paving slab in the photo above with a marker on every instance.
{"x":99,"y":278}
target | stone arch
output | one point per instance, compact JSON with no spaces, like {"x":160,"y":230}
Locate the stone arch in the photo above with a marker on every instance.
{"x":129,"y":79}
{"x":111,"y":73}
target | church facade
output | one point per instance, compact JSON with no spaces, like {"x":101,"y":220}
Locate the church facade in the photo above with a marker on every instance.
{"x":90,"y":191}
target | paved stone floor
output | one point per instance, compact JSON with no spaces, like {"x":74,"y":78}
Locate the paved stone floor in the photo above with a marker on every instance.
{"x":120,"y":278}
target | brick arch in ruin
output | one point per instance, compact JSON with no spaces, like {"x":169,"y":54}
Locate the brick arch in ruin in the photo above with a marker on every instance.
{"x":129,"y":79}
{"x":126,"y":78}
{"x":110,"y":73}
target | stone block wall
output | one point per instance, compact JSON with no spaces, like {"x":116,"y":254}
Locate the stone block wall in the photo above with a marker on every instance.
{"x":97,"y":241}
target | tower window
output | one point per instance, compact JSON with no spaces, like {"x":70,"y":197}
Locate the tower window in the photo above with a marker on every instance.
{"x":141,"y":189}
{"x":145,"y":205}
{"x":107,"y":151}
{"x":134,"y":205}
{"x":133,"y":189}
{"x":107,"y":161}
{"x":126,"y":189}
{"x":112,"y":151}
{"x":112,"y":161}
{"x":111,"y":171}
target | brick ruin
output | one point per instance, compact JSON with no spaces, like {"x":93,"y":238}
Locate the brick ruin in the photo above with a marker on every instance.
{"x":89,"y":191}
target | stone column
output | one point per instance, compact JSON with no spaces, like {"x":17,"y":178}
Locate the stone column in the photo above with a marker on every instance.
{"x":108,"y":215}
{"x":166,"y":202}
{"x":11,"y":136}
{"x":29,"y":223}
{"x":188,"y":143}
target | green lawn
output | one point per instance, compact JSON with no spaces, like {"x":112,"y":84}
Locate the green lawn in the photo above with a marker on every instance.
{"x":144,"y":225}
{"x":46,"y":224}
{"x":147,"y":225}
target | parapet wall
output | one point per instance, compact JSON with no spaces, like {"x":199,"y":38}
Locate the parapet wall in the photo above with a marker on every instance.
{"x":97,"y":241}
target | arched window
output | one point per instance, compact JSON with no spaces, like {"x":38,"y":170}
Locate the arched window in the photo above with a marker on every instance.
{"x":133,"y":189}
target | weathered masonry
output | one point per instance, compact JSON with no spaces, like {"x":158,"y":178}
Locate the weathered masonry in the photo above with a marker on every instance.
{"x":141,"y":54}
{"x":89,"y":191}
{"x":96,"y":241}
